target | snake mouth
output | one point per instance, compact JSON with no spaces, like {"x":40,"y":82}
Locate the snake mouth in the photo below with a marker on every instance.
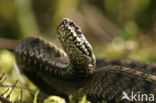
{"x":71,"y":34}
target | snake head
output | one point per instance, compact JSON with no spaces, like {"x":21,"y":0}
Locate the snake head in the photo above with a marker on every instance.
{"x":71,"y":35}
{"x":74,"y":42}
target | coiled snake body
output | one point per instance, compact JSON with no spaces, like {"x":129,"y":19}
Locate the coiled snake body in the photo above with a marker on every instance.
{"x":61,"y":73}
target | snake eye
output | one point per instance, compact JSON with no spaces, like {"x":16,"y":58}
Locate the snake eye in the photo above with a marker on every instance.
{"x":78,"y":31}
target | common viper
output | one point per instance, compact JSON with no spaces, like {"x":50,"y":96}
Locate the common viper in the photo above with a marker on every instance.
{"x":60,"y":73}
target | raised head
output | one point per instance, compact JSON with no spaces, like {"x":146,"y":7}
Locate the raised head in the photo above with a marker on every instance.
{"x":75,"y":44}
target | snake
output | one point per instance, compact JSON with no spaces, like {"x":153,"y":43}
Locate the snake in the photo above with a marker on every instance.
{"x":63,"y":72}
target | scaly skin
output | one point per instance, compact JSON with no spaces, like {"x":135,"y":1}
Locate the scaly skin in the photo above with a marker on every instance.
{"x":146,"y":67}
{"x":61,"y":74}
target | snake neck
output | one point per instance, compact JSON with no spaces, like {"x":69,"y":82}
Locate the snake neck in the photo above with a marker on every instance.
{"x":78,"y":67}
{"x":81,"y":66}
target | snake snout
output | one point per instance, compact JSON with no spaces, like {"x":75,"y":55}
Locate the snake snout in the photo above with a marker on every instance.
{"x":64,"y":22}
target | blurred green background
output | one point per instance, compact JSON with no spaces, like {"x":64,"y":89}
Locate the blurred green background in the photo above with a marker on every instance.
{"x":115,"y":28}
